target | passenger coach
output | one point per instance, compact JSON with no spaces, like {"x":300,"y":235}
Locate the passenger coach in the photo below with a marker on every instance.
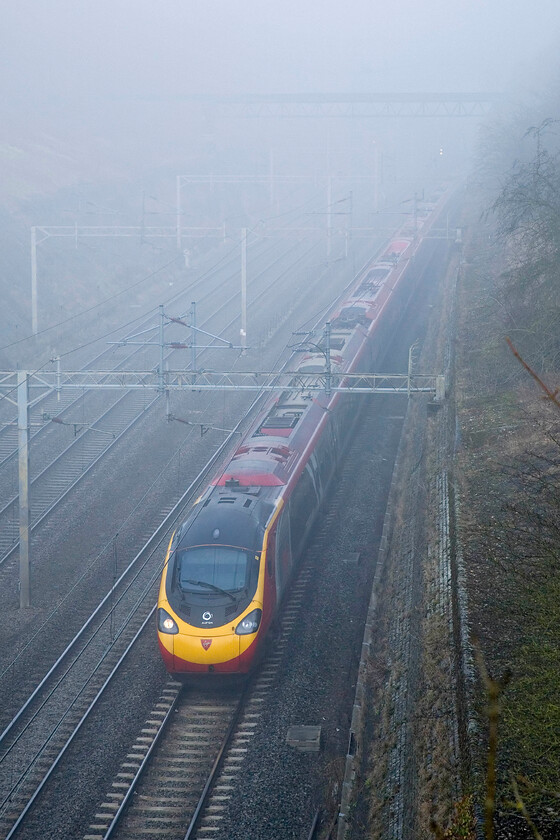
{"x":228,"y":565}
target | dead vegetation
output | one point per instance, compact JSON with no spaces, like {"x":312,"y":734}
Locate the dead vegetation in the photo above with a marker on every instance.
{"x":508,"y":468}
{"x":506,"y":472}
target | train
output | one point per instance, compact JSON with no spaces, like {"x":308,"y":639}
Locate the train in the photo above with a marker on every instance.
{"x":230,"y":563}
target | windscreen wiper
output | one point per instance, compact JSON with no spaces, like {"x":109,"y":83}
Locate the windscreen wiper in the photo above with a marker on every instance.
{"x":211,"y":586}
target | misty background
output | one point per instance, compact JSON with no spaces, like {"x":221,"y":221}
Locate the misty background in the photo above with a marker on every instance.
{"x":59,"y":49}
{"x":124,"y":72}
{"x":105,"y":103}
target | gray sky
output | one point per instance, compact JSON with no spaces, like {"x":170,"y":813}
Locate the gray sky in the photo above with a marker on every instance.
{"x":102,"y":47}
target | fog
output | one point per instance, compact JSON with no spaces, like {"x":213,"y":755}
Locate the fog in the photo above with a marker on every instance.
{"x":99,"y":90}
{"x":123,"y":73}
{"x":68,"y":50}
{"x":103,"y":104}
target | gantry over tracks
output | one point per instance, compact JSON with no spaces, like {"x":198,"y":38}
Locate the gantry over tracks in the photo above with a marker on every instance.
{"x":16,"y":386}
{"x":17,"y":383}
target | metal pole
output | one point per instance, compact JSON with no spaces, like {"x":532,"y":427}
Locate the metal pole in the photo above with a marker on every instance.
{"x":375,"y":178}
{"x":161,"y":347}
{"x":34,"y":280}
{"x":23,"y":468}
{"x":271,"y":176}
{"x":329,"y":216}
{"x":351,"y":217}
{"x":178,"y":221}
{"x":410,"y":363}
{"x":58,"y":378}
{"x":328,"y":352}
{"x":243,"y":331}
{"x":193,"y":340}
{"x":167,"y":398}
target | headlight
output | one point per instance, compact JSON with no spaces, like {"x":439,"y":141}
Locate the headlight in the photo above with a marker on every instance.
{"x":250,"y":624}
{"x":165,"y":623}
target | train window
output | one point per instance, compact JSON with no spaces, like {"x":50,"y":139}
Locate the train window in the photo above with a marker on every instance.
{"x":282,"y":451}
{"x":283,"y":552}
{"x":255,"y":466}
{"x":212,"y":568}
{"x":326,"y":456}
{"x":350,"y":317}
{"x":378,"y":274}
{"x":303,"y":506}
{"x":277,"y":424}
{"x":311,"y":368}
{"x":315,"y":474}
{"x":335,"y":343}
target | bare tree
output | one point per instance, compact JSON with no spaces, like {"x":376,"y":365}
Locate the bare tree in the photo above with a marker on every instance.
{"x":527,"y":210}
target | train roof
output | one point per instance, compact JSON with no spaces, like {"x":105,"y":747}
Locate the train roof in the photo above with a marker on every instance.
{"x":265,"y":464}
{"x":270,"y":452}
{"x":234,"y":515}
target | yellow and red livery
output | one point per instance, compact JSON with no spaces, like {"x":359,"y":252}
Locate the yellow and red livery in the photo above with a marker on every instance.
{"x":229,"y":563}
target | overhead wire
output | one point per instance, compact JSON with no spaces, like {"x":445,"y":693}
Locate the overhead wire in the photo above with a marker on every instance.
{"x":95,"y":306}
{"x":114,"y":297}
{"x":134,"y":285}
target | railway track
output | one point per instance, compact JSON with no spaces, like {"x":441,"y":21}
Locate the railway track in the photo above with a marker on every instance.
{"x":31,"y":775}
{"x":97,"y":574}
{"x":39,"y":733}
{"x":174,"y":781}
{"x":187,"y":762}
{"x":37,"y":736}
{"x":160,"y":784}
{"x":57,"y":404}
{"x":36,"y":739}
{"x":53,"y":483}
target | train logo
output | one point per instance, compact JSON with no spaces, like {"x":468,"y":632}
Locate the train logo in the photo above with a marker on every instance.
{"x":206,"y":643}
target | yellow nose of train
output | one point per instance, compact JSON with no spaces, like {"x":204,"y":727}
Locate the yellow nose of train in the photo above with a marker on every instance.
{"x":190,"y":650}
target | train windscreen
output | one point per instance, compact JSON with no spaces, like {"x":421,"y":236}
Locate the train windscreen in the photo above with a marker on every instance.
{"x":212,"y":567}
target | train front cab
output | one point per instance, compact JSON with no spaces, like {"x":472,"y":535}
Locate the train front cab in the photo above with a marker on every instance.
{"x":216,"y":626}
{"x":229,"y":647}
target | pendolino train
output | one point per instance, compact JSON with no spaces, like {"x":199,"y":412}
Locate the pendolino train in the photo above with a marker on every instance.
{"x":229,"y":563}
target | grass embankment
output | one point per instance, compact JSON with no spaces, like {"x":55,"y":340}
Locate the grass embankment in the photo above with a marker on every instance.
{"x":508,"y":470}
